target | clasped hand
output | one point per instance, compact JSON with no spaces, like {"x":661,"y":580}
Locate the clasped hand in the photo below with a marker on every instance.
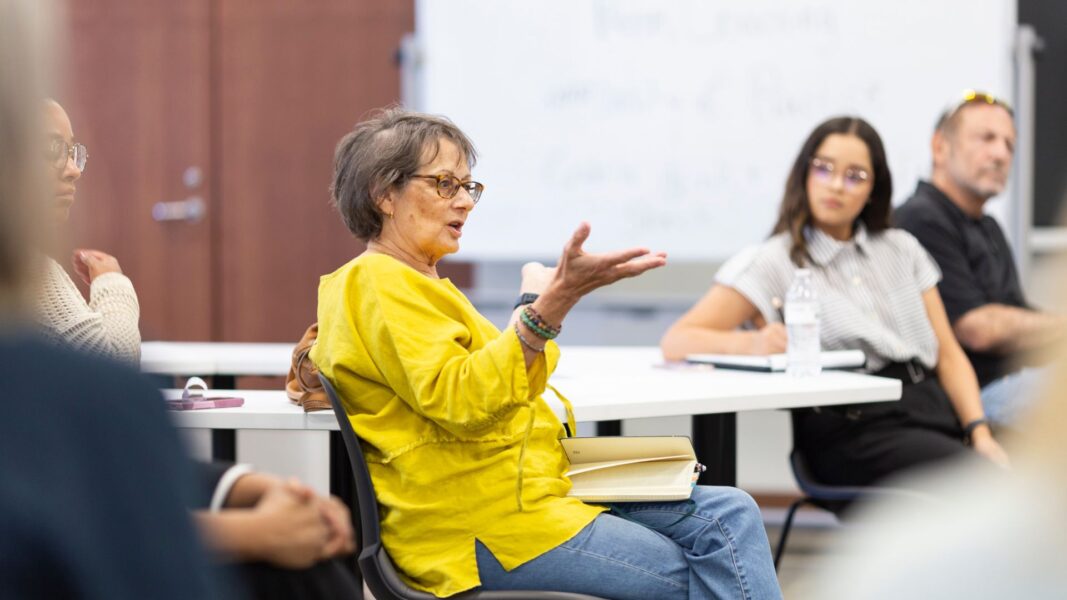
{"x":300,"y":527}
{"x":90,"y":264}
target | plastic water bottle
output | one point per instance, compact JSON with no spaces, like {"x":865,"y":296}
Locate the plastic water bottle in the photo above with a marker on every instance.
{"x":802,"y":326}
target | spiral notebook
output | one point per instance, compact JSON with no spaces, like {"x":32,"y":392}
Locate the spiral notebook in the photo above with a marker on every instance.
{"x":631,"y":469}
{"x":832,"y":359}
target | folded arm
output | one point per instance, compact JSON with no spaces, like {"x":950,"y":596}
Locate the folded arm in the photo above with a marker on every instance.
{"x":1005,"y":329}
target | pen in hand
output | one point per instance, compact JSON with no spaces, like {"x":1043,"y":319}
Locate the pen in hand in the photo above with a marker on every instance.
{"x":779,"y":308}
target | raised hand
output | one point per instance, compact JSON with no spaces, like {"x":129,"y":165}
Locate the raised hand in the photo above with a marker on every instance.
{"x":90,"y":264}
{"x":579,"y":272}
{"x":536,"y":277}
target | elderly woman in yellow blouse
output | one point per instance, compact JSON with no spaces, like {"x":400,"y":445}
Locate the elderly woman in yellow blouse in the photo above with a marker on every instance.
{"x":463,"y":451}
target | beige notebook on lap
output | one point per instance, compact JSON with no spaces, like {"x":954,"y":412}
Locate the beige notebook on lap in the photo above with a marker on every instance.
{"x":631,"y":469}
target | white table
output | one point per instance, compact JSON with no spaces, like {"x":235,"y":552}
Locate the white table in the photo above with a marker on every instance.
{"x":614,"y":383}
{"x":263,"y":409}
{"x":594,"y":398}
{"x":605,"y":383}
{"x":222,"y":362}
{"x":633,"y":382}
{"x":201,"y":359}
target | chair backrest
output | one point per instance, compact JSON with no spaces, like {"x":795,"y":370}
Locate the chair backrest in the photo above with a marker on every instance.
{"x":366,"y":502}
{"x":374,"y":564}
{"x":810,"y":485}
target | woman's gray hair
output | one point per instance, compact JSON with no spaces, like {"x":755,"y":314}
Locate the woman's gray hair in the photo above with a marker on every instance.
{"x":23,"y":70}
{"x":384,"y":152}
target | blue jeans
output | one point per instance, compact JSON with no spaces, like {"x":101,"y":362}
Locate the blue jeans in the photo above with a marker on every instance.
{"x":1008,"y":398}
{"x":720,"y":550}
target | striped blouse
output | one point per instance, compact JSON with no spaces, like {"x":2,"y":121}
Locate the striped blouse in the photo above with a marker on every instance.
{"x":870,"y":291}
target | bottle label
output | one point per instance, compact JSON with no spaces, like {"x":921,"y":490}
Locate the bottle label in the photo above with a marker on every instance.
{"x":796,"y":314}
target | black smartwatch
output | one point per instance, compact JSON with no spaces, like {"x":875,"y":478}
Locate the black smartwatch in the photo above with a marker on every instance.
{"x":526,"y":298}
{"x":968,"y":429}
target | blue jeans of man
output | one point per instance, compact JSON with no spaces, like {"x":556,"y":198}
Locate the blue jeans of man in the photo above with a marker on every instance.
{"x":715,"y":548}
{"x":1006,"y":399}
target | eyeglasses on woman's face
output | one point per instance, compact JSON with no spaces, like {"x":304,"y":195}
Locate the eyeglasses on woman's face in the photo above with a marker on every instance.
{"x":58,"y":152}
{"x":824,"y":171}
{"x":448,"y":186}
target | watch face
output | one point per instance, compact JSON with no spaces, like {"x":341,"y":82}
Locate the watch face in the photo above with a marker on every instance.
{"x":526,"y":298}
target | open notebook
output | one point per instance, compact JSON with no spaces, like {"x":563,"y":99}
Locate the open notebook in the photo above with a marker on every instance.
{"x":834,"y":359}
{"x":631,"y":469}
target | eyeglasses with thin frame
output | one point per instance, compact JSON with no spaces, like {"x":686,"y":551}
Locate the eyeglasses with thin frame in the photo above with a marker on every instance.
{"x":59,"y":152}
{"x":448,"y":186}
{"x":824,"y":171}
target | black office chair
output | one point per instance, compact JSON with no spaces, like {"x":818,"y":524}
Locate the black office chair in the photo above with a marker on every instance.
{"x":827,"y":497}
{"x":833,"y":498}
{"x":374,"y":563}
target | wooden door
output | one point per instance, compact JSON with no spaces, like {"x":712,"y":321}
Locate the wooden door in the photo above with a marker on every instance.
{"x":137,"y":90}
{"x":236,"y":104}
{"x":292,"y":78}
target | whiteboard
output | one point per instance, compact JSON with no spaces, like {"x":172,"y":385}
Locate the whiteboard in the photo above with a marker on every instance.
{"x":673,"y":125}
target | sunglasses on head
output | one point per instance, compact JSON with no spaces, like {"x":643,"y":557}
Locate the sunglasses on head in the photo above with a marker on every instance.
{"x":975,"y":97}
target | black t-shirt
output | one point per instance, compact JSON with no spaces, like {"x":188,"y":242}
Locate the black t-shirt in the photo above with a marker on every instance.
{"x":976,"y":263}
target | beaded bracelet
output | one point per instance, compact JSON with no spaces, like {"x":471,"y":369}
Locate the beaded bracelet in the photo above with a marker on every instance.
{"x":532,"y":319}
{"x":534,"y":327}
{"x":526,"y":342}
{"x":541,"y":320}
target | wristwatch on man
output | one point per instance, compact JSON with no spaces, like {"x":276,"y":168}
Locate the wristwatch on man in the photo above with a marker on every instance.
{"x":526,"y":298}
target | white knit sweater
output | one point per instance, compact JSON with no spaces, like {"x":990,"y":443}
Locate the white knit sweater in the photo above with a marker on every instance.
{"x":106,"y":325}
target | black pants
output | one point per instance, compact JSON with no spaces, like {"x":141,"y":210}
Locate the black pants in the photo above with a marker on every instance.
{"x":861,"y":444}
{"x":325,"y":580}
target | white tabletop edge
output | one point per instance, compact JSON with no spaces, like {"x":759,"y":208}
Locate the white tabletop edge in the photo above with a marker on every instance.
{"x":271,"y":409}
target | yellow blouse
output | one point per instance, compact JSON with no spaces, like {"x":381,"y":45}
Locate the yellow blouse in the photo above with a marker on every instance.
{"x":445,"y":408}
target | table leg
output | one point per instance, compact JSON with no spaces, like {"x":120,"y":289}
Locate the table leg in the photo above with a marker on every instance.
{"x":715,"y":441}
{"x":224,"y":382}
{"x":609,"y":428}
{"x":224,"y":441}
{"x":343,"y":485}
{"x":224,"y":445}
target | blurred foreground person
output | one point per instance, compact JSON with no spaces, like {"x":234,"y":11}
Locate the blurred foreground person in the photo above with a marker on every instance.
{"x":990,"y":535}
{"x":81,"y":515}
{"x":278,"y":537}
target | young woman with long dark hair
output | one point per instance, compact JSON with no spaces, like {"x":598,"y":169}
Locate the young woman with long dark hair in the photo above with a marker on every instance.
{"x":877,"y":292}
